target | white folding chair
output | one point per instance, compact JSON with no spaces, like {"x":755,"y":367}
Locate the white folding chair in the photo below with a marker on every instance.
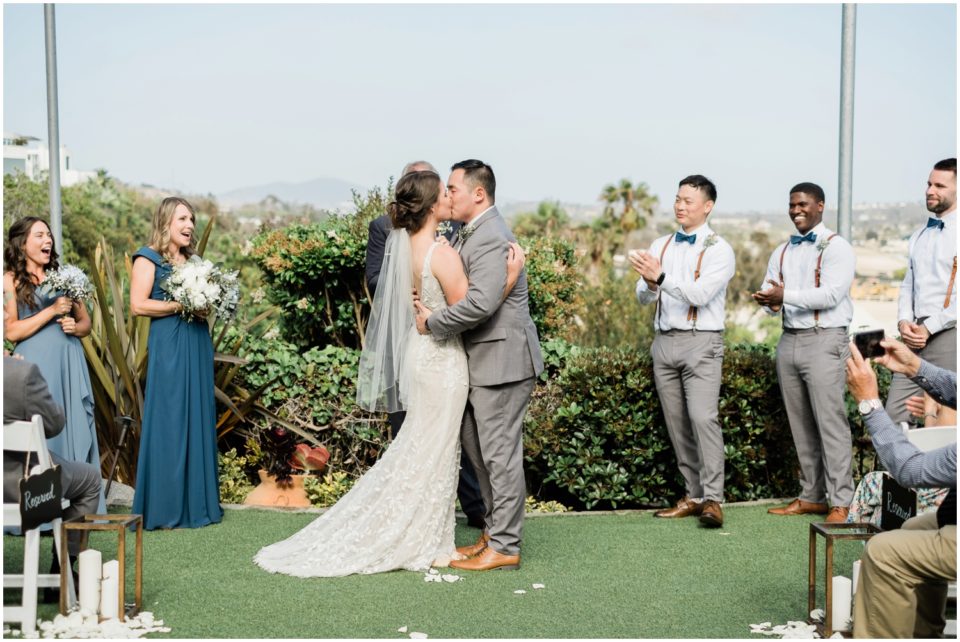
{"x":23,"y":437}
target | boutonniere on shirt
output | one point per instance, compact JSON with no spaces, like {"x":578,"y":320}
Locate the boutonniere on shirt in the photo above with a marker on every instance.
{"x":710,"y":240}
{"x":444,"y":228}
{"x":465,"y":232}
{"x":822,"y":245}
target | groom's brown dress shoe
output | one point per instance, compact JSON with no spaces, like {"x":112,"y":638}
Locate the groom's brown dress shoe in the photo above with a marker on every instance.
{"x":684,"y":508}
{"x":711,"y":514}
{"x":800,"y":507}
{"x":476,"y":547}
{"x":488,"y":560}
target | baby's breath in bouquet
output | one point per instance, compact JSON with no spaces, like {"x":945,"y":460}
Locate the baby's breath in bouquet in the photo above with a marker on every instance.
{"x":202,"y":288}
{"x":70,"y":281}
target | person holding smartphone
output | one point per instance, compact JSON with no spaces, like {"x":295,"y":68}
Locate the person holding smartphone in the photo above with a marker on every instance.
{"x":808,"y":282}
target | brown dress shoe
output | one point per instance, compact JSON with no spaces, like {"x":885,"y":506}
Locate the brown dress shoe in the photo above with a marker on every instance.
{"x":711,"y":514}
{"x":684,"y":508}
{"x":488,"y":560}
{"x":800,"y":507}
{"x":837,"y":515}
{"x":476,"y":547}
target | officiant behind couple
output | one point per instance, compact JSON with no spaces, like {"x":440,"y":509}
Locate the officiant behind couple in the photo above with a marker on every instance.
{"x":470,"y":374}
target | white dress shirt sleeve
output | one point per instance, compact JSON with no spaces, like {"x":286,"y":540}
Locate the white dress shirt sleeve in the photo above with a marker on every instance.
{"x":905,"y":306}
{"x":773,"y":274}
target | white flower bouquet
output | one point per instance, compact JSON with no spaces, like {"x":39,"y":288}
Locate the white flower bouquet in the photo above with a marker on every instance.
{"x":202,"y":288}
{"x":70,"y":280}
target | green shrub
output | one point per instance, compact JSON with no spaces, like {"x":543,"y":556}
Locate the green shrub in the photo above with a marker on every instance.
{"x":235,"y":482}
{"x":554,"y":282}
{"x":327,"y":490}
{"x":595,"y":435}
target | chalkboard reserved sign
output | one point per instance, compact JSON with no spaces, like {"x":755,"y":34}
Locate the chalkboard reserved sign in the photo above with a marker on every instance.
{"x":40,"y":498}
{"x":899,"y":504}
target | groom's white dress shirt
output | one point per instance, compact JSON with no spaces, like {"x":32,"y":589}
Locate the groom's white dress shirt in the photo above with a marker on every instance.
{"x":924,"y":287}
{"x":679,"y":289}
{"x":801,"y":297}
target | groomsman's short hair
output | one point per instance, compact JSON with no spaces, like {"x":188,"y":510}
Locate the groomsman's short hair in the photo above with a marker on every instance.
{"x":812,"y":189}
{"x":477,"y":172}
{"x":701,"y":183}
{"x":418,"y":166}
{"x":947,"y":165}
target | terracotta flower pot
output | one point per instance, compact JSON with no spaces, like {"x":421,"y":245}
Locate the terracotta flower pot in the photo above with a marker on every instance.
{"x":269,"y":494}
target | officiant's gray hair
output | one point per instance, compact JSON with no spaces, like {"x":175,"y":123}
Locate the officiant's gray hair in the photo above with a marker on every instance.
{"x":418,"y":166}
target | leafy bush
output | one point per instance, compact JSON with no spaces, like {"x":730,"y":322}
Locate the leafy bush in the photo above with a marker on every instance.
{"x":595,"y":435}
{"x":327,"y":490}
{"x":554,"y":282}
{"x":315,"y":274}
{"x":235,"y":482}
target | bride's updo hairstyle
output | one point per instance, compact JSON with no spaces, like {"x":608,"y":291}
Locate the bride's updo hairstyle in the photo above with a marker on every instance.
{"x":416,"y":193}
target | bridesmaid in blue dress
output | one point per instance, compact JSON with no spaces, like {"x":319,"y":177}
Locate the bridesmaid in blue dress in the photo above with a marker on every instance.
{"x":177,"y":478}
{"x":47,"y":328}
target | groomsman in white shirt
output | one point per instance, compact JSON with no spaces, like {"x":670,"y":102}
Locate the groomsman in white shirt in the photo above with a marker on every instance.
{"x":808,"y":281}
{"x":928,"y":295}
{"x":686,"y":274}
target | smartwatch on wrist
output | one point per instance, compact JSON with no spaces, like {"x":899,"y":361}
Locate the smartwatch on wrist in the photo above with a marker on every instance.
{"x":660,"y":278}
{"x":869,"y":405}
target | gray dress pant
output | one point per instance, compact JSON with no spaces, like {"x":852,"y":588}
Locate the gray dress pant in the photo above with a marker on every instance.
{"x":687,"y":367}
{"x":811,"y":368}
{"x":941,"y":350}
{"x":492,"y":437}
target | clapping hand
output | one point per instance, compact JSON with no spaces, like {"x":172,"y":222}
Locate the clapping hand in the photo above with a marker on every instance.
{"x":772,"y":297}
{"x":915,"y":335}
{"x":646,"y":265}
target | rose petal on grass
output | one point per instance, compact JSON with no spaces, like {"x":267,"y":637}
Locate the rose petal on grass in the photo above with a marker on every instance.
{"x":402,"y":629}
{"x":416,"y":635}
{"x":538,"y":586}
{"x":519,"y":592}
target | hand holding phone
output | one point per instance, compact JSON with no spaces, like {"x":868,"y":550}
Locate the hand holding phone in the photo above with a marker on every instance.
{"x":868,"y":343}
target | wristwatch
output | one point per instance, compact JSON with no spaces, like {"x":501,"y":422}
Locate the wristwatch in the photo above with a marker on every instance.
{"x":869,"y":405}
{"x":660,"y":278}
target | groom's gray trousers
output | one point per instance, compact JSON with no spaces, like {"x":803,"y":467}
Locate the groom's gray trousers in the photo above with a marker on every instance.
{"x":687,"y":366}
{"x":492,"y":437}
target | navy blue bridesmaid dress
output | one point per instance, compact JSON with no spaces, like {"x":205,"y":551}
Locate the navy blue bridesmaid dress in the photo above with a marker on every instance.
{"x":177,"y":478}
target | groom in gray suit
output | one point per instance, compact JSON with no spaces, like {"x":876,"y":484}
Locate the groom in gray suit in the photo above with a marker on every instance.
{"x":504,"y":360}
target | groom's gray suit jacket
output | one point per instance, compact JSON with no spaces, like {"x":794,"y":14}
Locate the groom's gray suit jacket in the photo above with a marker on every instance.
{"x":500,"y":339}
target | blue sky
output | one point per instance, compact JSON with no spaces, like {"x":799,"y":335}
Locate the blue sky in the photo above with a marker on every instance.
{"x":560,"y":99}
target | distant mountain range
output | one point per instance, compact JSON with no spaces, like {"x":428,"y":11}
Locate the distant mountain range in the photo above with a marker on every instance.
{"x":322,"y":193}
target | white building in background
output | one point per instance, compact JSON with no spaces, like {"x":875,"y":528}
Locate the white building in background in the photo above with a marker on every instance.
{"x":32,"y":157}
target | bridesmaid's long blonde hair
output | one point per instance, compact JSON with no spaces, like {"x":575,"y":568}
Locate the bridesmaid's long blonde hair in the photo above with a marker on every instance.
{"x":160,"y":232}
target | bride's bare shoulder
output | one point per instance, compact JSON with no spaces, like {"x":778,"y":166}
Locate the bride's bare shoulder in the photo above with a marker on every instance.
{"x":445,"y":260}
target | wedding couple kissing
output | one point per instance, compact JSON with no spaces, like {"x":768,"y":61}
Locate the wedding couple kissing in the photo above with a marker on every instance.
{"x":461,"y":357}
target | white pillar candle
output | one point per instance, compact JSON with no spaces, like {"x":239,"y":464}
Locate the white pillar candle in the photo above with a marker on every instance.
{"x":109,"y":596}
{"x":840,"y":613}
{"x":856,"y":576}
{"x":90,"y":568}
{"x":110,"y":590}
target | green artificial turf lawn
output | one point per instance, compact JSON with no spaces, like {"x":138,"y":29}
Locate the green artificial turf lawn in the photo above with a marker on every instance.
{"x":606,"y":576}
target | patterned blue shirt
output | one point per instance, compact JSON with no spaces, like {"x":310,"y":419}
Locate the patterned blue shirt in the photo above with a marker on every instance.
{"x":909,"y":465}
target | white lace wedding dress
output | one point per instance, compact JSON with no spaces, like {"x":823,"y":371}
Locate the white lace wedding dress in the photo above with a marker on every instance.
{"x":400,"y":514}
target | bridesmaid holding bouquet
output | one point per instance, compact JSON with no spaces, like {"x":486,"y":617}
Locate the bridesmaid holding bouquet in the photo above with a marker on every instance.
{"x":177,"y":478}
{"x":47,"y":326}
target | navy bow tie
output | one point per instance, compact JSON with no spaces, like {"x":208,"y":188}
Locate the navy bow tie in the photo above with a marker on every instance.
{"x":934,"y":222}
{"x":686,"y":238}
{"x":809,"y":237}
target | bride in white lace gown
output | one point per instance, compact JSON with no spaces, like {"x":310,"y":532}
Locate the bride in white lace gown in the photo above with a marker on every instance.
{"x":400,"y":514}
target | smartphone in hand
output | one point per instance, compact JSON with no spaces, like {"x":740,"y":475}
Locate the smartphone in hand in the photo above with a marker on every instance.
{"x":868,"y":343}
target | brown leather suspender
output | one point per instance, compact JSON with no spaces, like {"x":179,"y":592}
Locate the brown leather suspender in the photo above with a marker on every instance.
{"x":953,"y":277}
{"x":663,"y":253}
{"x":816,"y":273}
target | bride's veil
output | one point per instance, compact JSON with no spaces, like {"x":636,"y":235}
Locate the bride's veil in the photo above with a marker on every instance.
{"x":381,"y":384}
